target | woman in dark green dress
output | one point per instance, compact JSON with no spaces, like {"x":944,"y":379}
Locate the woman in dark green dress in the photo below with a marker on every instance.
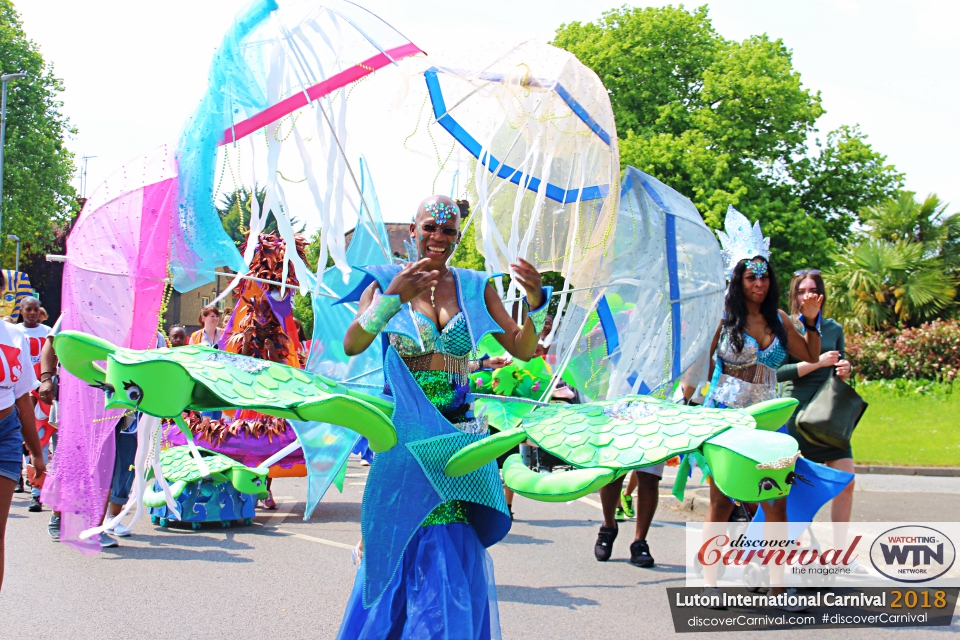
{"x":803,"y":379}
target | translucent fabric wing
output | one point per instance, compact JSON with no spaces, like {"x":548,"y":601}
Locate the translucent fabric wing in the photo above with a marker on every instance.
{"x":325,"y":446}
{"x":274,"y":116}
{"x":658,"y":315}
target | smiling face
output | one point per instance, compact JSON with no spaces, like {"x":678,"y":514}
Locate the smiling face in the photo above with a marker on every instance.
{"x":210,"y":319}
{"x":756,"y":280}
{"x":436,"y":230}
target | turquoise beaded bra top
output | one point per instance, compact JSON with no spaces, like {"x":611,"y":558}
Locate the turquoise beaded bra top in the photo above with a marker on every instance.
{"x":452,"y":340}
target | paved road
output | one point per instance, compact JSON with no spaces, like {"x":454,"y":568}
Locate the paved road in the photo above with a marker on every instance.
{"x":283,"y":578}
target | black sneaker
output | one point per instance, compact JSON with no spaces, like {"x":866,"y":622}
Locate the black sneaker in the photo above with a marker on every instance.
{"x":53,"y":527}
{"x":640,"y":554}
{"x":35,"y":505}
{"x":604,"y":547}
{"x":19,"y":488}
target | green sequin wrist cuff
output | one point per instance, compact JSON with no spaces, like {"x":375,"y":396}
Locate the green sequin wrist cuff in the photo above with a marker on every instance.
{"x":378,"y":314}
{"x":539,"y":315}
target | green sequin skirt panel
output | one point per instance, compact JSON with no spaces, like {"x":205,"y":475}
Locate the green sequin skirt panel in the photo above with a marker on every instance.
{"x":451,"y":512}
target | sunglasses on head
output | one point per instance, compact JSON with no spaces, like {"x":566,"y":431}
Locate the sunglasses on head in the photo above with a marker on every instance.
{"x":807,"y":272}
{"x":429,"y":227}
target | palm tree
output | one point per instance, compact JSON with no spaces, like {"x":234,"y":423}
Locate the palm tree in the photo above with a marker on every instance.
{"x":904,"y":218}
{"x":881,"y":282}
{"x":234,"y":209}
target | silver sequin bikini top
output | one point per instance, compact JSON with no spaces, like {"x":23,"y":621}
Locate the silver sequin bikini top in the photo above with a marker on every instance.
{"x":751,"y":354}
{"x":452,"y":340}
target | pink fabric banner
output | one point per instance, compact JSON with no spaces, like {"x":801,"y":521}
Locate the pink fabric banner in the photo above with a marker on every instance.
{"x":113,"y":284}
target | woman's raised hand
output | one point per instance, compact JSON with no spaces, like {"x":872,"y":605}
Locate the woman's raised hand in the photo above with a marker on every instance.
{"x":412,"y":281}
{"x":810,"y":304}
{"x":531,"y":281}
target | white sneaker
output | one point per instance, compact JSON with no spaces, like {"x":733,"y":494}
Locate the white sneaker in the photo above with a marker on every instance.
{"x":120,"y":530}
{"x":106,"y":542}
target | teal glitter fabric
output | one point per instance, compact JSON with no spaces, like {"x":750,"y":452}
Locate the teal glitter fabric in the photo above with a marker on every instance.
{"x":451,"y":512}
{"x":483,"y":486}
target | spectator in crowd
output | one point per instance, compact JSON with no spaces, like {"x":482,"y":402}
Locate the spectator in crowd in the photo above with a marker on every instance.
{"x":178,"y":336}
{"x":803,"y":379}
{"x":17,"y":423}
{"x":47,"y":392}
{"x":209,"y":333}
{"x":35,"y":335}
{"x":208,"y":336}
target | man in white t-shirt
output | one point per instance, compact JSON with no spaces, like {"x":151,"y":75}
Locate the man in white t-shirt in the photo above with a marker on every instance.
{"x":17,"y":426}
{"x":36,"y":334}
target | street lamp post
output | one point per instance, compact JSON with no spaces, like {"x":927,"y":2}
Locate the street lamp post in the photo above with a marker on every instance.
{"x":5,"y":78}
{"x":17,"y":240}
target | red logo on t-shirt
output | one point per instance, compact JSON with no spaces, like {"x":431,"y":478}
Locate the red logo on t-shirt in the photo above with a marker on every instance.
{"x":11,"y":363}
{"x":35,"y":346}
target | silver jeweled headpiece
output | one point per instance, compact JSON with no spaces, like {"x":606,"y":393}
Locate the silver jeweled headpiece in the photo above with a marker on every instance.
{"x":739,"y":241}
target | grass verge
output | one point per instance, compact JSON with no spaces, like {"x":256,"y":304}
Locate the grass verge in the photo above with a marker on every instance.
{"x":908,"y":429}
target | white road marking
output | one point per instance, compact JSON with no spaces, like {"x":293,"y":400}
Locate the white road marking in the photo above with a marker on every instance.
{"x":329,"y":543}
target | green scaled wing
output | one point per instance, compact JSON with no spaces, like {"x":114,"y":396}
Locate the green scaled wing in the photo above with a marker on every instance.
{"x":166,"y":382}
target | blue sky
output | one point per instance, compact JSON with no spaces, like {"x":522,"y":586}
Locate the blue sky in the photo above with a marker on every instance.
{"x":135,"y":70}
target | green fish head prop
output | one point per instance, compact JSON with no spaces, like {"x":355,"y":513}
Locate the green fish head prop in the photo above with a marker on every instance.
{"x":153,"y":387}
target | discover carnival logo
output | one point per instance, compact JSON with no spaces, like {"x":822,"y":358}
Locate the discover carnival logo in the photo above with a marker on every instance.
{"x":912,"y":553}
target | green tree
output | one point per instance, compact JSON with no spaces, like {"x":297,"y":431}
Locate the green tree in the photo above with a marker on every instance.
{"x":303,"y":304}
{"x":467,"y":256}
{"x":729,"y":123}
{"x":37,"y":195}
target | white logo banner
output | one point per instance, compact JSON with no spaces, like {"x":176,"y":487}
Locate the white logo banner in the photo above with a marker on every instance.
{"x":822,"y":554}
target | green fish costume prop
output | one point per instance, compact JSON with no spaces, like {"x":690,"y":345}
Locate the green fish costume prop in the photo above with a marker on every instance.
{"x":601,"y":440}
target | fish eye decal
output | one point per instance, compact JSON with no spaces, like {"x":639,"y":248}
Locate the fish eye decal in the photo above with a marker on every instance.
{"x":134,"y":392}
{"x":768,"y":484}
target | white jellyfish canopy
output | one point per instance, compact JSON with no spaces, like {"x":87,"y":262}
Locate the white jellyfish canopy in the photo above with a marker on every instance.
{"x":656,"y":320}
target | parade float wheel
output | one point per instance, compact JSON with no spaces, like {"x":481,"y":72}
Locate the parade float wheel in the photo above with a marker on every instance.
{"x":247,"y":522}
{"x":154,"y":519}
{"x":195,"y":526}
{"x":163,"y":522}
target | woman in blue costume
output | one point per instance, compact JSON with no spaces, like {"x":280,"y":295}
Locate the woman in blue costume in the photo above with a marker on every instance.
{"x":753,"y":339}
{"x":425,"y":571}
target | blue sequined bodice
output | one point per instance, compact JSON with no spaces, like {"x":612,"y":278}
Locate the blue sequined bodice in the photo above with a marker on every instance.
{"x":453,"y":339}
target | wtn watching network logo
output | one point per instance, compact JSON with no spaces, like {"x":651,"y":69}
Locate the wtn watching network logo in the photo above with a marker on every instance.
{"x":912,"y":554}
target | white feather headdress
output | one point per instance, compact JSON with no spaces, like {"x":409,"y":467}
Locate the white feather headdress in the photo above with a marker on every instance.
{"x":739,"y":241}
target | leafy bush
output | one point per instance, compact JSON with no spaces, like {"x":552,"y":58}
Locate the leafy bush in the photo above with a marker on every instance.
{"x":928,"y":352}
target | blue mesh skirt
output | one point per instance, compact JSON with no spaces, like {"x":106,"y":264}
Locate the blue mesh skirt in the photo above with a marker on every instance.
{"x":443,"y":590}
